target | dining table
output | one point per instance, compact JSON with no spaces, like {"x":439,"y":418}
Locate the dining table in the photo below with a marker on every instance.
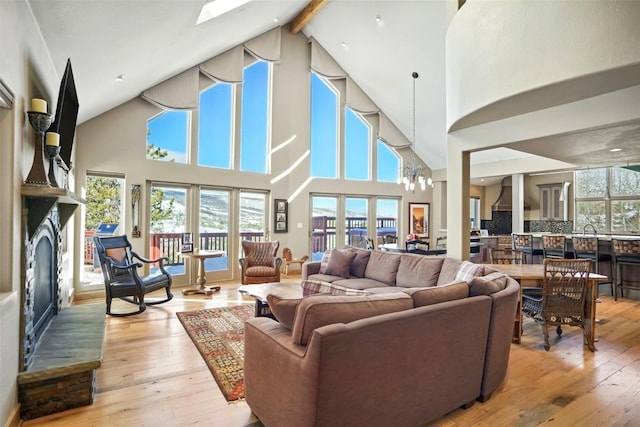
{"x":533,"y":275}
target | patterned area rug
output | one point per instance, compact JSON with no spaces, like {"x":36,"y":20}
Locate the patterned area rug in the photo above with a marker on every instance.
{"x":218,"y":334}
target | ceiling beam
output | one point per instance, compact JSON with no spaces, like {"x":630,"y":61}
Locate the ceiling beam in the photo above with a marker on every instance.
{"x":306,"y":15}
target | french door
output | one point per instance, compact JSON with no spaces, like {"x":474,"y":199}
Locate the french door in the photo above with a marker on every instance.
{"x":361,"y":221}
{"x":217,"y":218}
{"x":103,"y":216}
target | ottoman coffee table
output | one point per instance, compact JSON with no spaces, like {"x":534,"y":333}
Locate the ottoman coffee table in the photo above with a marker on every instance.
{"x":260,"y":292}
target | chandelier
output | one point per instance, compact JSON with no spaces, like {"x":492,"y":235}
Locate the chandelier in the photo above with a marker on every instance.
{"x":414,"y":174}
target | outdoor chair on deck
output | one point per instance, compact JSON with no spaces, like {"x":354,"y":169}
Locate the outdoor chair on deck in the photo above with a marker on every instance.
{"x":390,"y":238}
{"x":120,"y":265}
{"x":564,"y":297}
{"x":288,"y":259}
{"x":260,"y":263}
{"x":420,"y":247}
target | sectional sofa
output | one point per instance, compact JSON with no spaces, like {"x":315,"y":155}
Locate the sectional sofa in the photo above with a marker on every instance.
{"x":400,"y":354}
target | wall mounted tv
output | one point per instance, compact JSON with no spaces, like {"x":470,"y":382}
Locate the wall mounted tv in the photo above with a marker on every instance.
{"x":66,"y":114}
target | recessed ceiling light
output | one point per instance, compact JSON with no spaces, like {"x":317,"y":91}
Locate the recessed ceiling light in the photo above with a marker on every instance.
{"x":275,"y":20}
{"x":344,"y":45}
{"x":615,"y":150}
{"x":218,"y":7}
{"x":119,"y":78}
{"x":378,"y":19}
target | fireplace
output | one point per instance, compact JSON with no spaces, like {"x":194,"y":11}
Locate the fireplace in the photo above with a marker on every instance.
{"x":42,"y":297}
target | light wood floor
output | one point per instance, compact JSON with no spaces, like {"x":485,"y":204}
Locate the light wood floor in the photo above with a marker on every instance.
{"x":152,"y":375}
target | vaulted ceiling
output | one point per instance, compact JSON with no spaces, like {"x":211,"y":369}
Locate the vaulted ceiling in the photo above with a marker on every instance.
{"x":379,"y":43}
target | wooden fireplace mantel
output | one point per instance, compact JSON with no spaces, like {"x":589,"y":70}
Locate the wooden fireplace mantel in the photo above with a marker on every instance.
{"x":39,"y":200}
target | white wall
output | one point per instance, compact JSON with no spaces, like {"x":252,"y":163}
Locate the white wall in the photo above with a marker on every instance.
{"x":527,"y":69}
{"x":115,"y":142}
{"x":27,"y":70}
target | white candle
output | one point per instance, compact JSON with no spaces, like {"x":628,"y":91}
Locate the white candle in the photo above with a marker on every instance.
{"x":52,"y":139}
{"x":39,"y":105}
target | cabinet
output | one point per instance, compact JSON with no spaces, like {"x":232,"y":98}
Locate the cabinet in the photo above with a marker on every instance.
{"x":551,"y":207}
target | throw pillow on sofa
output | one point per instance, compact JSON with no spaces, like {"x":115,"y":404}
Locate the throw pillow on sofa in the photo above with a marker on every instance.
{"x":437,"y":294}
{"x":359,"y":264}
{"x":468,"y":270}
{"x":339,"y":263}
{"x":318,"y":311}
{"x":487,"y":285}
{"x":324,"y":262}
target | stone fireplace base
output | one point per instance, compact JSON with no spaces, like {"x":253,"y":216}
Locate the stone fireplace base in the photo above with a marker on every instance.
{"x":62,"y":374}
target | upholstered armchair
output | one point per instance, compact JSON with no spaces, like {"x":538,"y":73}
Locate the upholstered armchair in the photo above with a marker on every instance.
{"x":260,"y":263}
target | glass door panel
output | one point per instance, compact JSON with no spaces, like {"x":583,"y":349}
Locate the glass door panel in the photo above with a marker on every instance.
{"x":168,"y":220}
{"x":323,"y":218}
{"x":355,"y":221}
{"x":386,"y":219}
{"x":214,"y":209}
{"x":103,"y":216}
{"x":253,"y":217}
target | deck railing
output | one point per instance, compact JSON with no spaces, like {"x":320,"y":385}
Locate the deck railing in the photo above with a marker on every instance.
{"x":323,"y":237}
{"x":168,"y":244}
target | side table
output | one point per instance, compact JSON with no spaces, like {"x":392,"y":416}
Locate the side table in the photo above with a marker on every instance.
{"x":201,"y":255}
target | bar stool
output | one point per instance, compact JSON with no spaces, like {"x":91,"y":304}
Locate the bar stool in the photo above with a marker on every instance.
{"x":625,"y":252}
{"x":524,"y":242}
{"x":555,"y":246}
{"x":587,"y":248}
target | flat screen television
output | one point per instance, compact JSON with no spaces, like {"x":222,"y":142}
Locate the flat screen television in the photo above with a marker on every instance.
{"x":66,"y":114}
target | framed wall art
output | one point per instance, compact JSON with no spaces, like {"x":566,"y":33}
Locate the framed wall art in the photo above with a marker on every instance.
{"x":281,"y":216}
{"x":419,"y":219}
{"x":187,"y":243}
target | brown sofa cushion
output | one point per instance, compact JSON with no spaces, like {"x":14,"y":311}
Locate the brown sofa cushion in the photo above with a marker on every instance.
{"x":448,"y":271}
{"x":339,"y":263}
{"x":418,"y":270}
{"x":318,"y":311}
{"x":438,"y":294}
{"x":486,"y":285}
{"x":283,"y":309}
{"x":383,"y":267}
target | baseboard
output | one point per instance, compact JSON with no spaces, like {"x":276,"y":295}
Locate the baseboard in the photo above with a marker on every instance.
{"x":14,"y":419}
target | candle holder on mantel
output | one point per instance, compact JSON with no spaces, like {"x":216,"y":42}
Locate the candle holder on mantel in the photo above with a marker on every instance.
{"x":40,"y":122}
{"x":52,"y":152}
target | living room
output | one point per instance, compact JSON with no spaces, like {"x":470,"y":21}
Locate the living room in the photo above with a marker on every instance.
{"x":113,"y":141}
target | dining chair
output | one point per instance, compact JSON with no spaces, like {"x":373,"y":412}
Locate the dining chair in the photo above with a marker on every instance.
{"x":524,"y":242}
{"x":506,"y":256}
{"x":555,"y":246}
{"x":563,"y":300}
{"x":586,"y":247}
{"x":626,"y":253}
